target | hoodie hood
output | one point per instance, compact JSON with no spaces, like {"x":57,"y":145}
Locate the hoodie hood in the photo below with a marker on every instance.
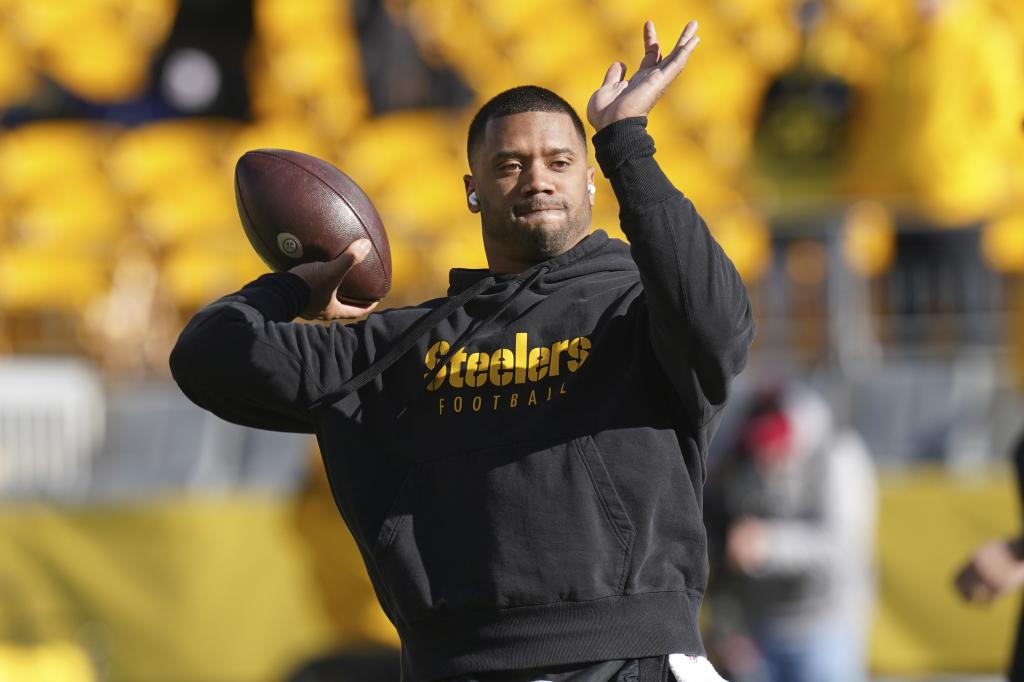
{"x":596,"y":252}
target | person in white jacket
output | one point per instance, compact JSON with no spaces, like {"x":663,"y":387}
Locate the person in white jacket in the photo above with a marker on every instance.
{"x":791,"y":511}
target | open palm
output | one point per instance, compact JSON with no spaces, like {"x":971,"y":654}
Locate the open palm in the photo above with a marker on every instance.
{"x":619,"y":97}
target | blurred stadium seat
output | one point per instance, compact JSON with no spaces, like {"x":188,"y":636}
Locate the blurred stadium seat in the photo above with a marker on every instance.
{"x":16,"y":77}
{"x":142,"y":161}
{"x":40,"y":156}
{"x":197,"y":273}
{"x":29,"y":281}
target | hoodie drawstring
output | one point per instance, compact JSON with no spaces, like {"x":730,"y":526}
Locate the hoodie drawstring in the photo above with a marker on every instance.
{"x":468,"y":336}
{"x":421,"y":327}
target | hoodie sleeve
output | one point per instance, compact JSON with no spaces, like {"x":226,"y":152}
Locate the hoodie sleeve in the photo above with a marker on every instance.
{"x":698,"y":314}
{"x":243,"y":358}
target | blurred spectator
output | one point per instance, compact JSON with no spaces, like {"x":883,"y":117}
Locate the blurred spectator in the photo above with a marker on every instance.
{"x":996,"y":568}
{"x":790,"y":511}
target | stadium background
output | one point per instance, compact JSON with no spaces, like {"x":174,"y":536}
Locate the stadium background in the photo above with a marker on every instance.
{"x":862,"y":161}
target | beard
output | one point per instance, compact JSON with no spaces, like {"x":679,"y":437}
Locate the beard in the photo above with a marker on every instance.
{"x":536,"y":242}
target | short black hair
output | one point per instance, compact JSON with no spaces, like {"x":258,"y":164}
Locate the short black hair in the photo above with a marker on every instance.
{"x":520,"y":100}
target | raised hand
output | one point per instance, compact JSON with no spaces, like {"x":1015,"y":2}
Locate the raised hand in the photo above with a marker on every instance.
{"x":325,"y":278}
{"x":619,"y":98}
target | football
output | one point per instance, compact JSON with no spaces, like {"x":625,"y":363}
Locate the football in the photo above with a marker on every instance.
{"x":296,"y":208}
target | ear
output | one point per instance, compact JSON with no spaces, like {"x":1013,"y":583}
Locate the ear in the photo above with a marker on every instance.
{"x":590,"y":181}
{"x":474,"y":207}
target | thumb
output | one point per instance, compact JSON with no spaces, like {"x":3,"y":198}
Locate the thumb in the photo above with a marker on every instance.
{"x":348,"y":259}
{"x":616,"y":72}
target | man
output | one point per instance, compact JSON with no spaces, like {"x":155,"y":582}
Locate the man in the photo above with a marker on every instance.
{"x":790,"y":513}
{"x":521,"y":462}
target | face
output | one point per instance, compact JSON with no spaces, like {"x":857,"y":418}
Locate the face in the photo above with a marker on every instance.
{"x":530,"y":176}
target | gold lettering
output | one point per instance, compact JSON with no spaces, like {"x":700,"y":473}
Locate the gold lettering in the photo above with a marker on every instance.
{"x":557,"y":348}
{"x":502,"y":363}
{"x":538,"y":368}
{"x":549,"y":393}
{"x":497,"y":398}
{"x":533,"y":398}
{"x":457,"y":403}
{"x":440,"y":406}
{"x":513,"y":400}
{"x":521,"y":358}
{"x":561,"y":391}
{"x":435,"y":352}
{"x":477,"y":401}
{"x":456,"y":372}
{"x":578,"y":348}
{"x":476,"y":369}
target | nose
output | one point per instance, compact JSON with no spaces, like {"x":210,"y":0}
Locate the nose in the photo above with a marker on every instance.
{"x":536,"y":179}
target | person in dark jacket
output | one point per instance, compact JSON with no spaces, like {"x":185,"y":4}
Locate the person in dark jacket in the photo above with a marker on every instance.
{"x":521,"y":462}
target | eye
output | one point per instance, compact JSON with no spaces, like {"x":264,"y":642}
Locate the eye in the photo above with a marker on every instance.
{"x":509,"y":166}
{"x":560,"y":164}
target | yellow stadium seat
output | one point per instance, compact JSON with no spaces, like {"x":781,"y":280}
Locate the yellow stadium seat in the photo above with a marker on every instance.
{"x":145,"y":159}
{"x":454,"y":30}
{"x":41,"y":280}
{"x":387,"y":148}
{"x":411,"y":165}
{"x":723,"y":85}
{"x":39,"y":24}
{"x":102,"y":63}
{"x":745,"y":237}
{"x":410,"y":273}
{"x":286,"y":20}
{"x":16,"y":77}
{"x":197,"y":206}
{"x":281,"y":133}
{"x":40,"y":156}
{"x":459,"y":246}
{"x":195,"y":274}
{"x":317,"y":61}
{"x":1002,"y":243}
{"x":773,"y":43}
{"x":838,"y":48}
{"x":80,"y":216}
{"x":505,"y":18}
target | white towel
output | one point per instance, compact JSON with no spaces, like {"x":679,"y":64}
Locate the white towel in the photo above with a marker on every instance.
{"x":693,"y":669}
{"x":689,"y":669}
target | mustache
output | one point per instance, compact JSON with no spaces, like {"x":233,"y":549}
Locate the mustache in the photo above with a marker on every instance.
{"x":530,"y":205}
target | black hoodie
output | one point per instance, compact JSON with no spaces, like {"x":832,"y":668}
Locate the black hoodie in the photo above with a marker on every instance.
{"x":521,"y":463}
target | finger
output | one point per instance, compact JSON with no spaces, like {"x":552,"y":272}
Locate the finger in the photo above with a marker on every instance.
{"x":676,"y":60}
{"x":616,"y":72}
{"x":652,"y":51}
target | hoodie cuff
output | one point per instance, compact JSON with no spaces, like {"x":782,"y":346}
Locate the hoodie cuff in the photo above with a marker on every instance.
{"x":278,"y":296}
{"x":625,"y":152}
{"x":620,"y":141}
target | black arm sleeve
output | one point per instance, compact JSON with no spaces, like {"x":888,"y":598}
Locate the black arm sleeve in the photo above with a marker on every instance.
{"x":243,"y":358}
{"x":698,"y":313}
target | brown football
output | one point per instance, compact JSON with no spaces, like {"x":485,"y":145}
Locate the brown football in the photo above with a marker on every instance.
{"x":296,"y":208}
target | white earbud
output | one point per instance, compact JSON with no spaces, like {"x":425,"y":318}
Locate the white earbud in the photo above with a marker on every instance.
{"x":473,"y":201}
{"x":591,"y":190}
